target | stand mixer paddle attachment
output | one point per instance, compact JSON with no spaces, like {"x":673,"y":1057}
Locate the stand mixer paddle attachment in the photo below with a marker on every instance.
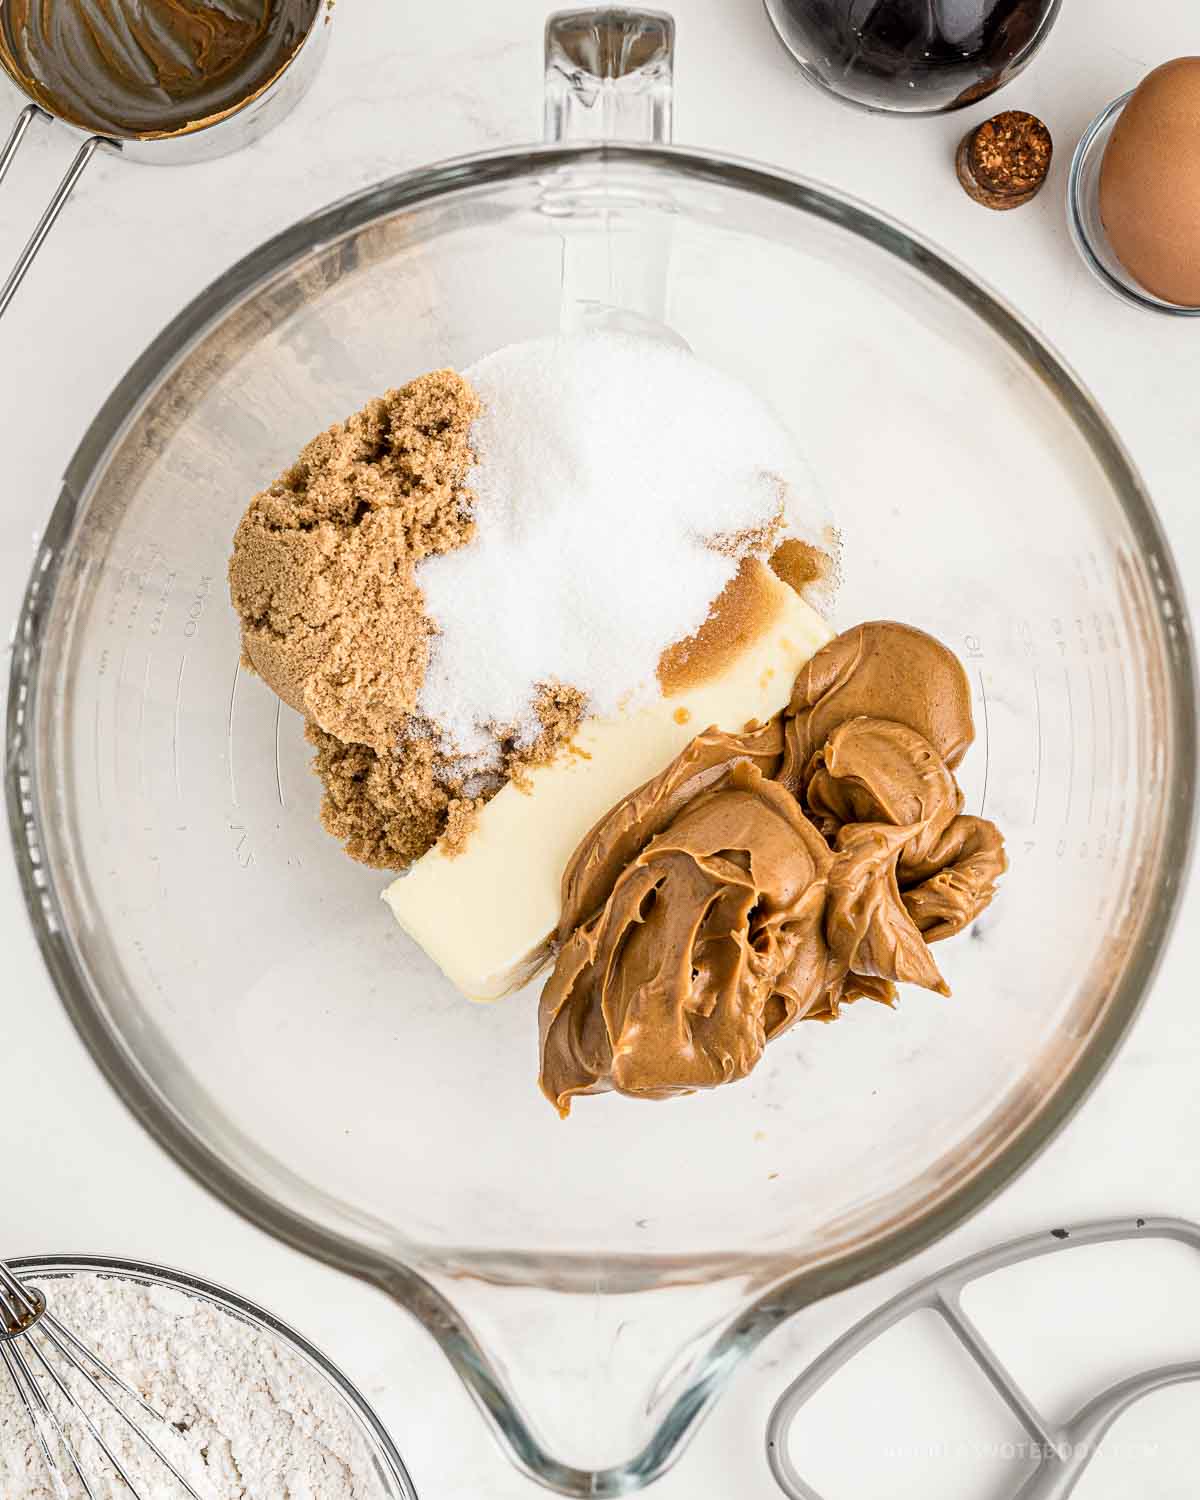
{"x":1061,"y":1450}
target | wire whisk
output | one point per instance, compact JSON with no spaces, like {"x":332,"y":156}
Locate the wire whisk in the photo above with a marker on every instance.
{"x":37,"y":1352}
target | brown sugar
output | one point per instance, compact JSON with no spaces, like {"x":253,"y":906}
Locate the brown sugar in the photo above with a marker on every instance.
{"x":387,"y":810}
{"x":559,"y":709}
{"x":322,"y":573}
{"x":800,"y":564}
{"x":323,"y":579}
{"x":461,"y":816}
{"x":740,"y":613}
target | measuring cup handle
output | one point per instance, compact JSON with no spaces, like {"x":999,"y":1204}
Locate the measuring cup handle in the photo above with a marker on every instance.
{"x":53,"y":208}
{"x":24,"y":120}
{"x":609,"y":76}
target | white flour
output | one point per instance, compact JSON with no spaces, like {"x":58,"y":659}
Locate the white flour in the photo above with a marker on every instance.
{"x":252,"y":1421}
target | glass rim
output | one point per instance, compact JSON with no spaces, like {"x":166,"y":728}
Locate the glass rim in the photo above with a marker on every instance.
{"x":797,"y":1287}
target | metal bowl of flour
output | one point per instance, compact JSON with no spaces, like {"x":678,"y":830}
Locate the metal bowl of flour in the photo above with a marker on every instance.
{"x":208,"y":1359}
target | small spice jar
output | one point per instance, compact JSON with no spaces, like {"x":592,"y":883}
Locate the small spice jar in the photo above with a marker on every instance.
{"x":1004,"y":162}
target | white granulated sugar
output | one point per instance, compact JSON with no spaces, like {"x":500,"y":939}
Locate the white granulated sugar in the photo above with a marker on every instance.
{"x":606,"y":466}
{"x":251,"y":1420}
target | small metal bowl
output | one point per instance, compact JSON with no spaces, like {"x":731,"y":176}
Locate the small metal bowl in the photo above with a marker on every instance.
{"x":390,"y":1479}
{"x":1087,"y":228}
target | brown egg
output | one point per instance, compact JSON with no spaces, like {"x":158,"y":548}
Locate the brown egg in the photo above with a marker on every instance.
{"x":1150,"y":183}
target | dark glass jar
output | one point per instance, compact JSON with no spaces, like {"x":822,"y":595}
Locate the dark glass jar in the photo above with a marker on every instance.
{"x":912,"y":56}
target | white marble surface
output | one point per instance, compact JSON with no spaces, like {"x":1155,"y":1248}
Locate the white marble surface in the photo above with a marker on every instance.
{"x":404,"y":85}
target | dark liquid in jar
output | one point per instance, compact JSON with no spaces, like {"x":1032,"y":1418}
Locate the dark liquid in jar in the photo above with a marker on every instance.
{"x":912,"y":54}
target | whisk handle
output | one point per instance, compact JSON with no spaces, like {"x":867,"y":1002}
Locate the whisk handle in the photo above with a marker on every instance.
{"x":53,"y":208}
{"x":21,"y":1306}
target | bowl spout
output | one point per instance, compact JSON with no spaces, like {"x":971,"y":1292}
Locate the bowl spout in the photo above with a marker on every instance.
{"x":596,"y":1383}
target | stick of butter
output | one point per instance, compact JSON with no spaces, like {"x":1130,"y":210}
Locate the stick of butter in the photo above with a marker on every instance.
{"x":487,"y":915}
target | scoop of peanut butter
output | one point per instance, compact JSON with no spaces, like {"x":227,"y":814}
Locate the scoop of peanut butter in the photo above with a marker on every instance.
{"x":772,"y":876}
{"x":150,"y":68}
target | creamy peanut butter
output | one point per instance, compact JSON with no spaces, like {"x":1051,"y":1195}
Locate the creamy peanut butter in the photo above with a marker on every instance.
{"x":771,"y":876}
{"x":149,"y":68}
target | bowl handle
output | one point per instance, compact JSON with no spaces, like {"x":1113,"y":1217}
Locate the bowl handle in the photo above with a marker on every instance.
{"x":609,"y":76}
{"x":609,"y":79}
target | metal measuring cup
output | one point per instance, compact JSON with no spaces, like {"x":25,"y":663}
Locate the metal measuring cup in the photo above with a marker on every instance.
{"x":235,"y":126}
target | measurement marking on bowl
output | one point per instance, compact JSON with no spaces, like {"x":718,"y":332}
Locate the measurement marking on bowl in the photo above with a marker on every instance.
{"x":115,"y":602}
{"x":82,"y":574}
{"x":175,"y":725}
{"x":116,"y":735}
{"x":141,"y":734}
{"x":241,"y":844}
{"x":1110,"y":741}
{"x":987,"y":741}
{"x":96,"y":754}
{"x":1092,"y":712}
{"x":237,"y":672}
{"x":1123,"y":709}
{"x":1070,"y":746}
{"x":196,"y":605}
{"x":278,"y":771}
{"x":1037,"y":764}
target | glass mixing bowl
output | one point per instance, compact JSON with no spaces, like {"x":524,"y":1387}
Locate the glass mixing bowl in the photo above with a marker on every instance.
{"x":594,"y":1282}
